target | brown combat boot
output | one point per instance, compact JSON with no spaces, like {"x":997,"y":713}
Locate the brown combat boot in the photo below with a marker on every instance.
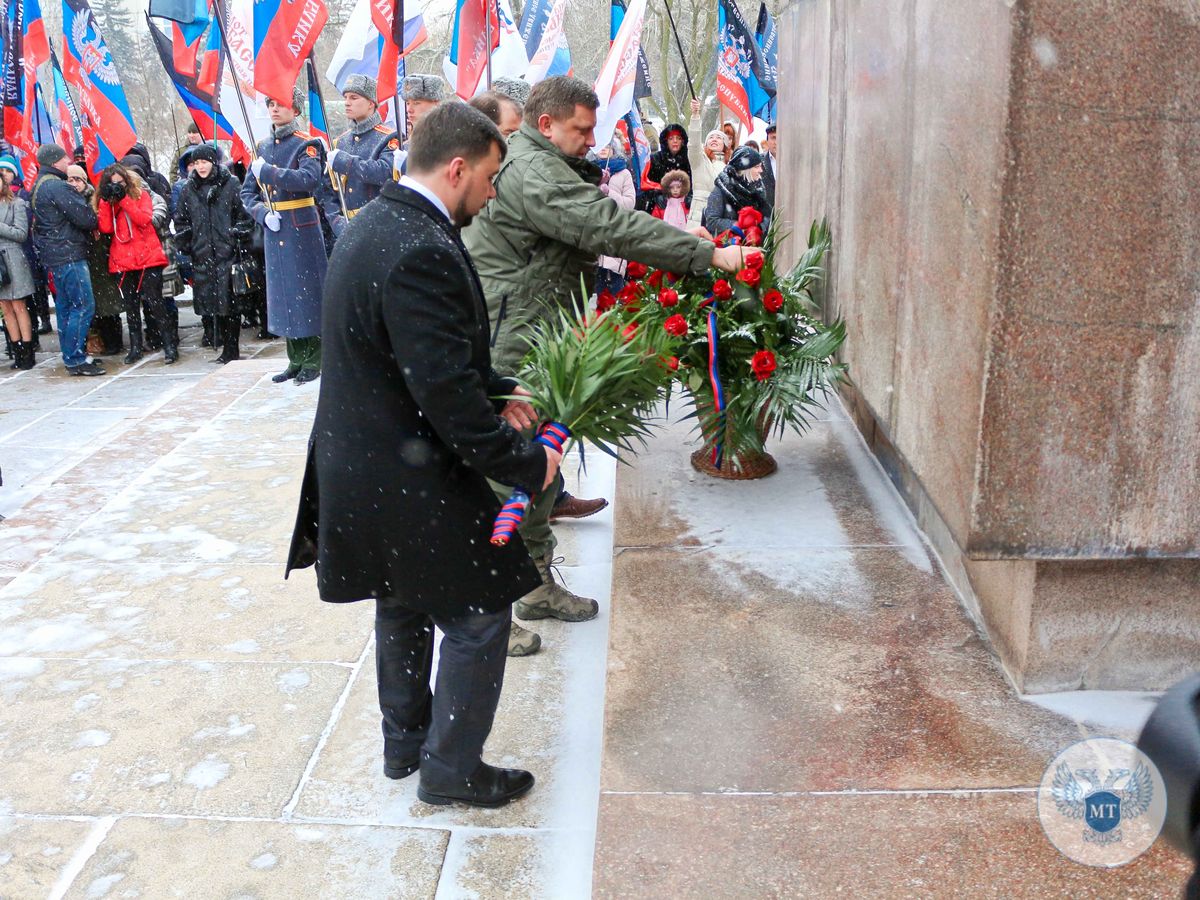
{"x":522,"y":641}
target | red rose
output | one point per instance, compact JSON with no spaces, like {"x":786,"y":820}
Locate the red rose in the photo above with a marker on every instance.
{"x":722,"y":289}
{"x":755,"y":261}
{"x":605,"y":300}
{"x":676,"y":325}
{"x":628,"y":294}
{"x":726,"y":238}
{"x":629,"y":332}
{"x":749,"y":277}
{"x":673,"y":363}
{"x":762,"y":364}
{"x":636,"y":271}
{"x":754,"y":236}
{"x":748,"y":217}
{"x":656,"y":279}
{"x":668,"y":297}
{"x":773,"y":301}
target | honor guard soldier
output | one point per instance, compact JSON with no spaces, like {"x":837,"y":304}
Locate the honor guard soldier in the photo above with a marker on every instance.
{"x":363,"y":159}
{"x":421,"y":93}
{"x":279,"y":193}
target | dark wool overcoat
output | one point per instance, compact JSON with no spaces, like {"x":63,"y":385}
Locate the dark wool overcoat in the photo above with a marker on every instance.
{"x":210,"y":223}
{"x":395,"y":501}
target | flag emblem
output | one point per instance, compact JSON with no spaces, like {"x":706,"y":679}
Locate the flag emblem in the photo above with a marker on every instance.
{"x":90,"y":49}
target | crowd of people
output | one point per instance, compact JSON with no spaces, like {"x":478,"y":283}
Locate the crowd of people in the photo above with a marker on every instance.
{"x":427,"y":266}
{"x":253,"y":244}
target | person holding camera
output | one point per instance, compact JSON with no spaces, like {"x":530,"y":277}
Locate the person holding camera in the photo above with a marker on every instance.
{"x":125,"y":210}
{"x":210,"y":224}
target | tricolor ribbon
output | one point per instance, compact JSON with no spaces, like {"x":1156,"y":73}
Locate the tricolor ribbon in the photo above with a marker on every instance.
{"x":714,"y":378}
{"x":550,"y":434}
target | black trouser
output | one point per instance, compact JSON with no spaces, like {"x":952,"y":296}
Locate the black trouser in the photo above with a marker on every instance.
{"x":140,"y":288}
{"x":445,"y":729}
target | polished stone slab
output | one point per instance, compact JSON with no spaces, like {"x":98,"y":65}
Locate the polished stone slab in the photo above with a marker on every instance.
{"x":970,"y":845}
{"x":777,"y":670}
{"x":34,"y":853}
{"x":228,"y":860}
{"x":121,"y":736}
{"x":175,"y":609}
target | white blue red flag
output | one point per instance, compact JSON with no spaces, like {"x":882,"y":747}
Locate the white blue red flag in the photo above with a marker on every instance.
{"x":617,"y":79}
{"x":542,"y":30}
{"x":285,"y":32}
{"x":89,"y":66}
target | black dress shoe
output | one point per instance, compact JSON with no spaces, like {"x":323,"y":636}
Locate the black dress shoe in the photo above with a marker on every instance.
{"x":489,"y":787}
{"x":394,"y":768}
{"x":286,"y":375}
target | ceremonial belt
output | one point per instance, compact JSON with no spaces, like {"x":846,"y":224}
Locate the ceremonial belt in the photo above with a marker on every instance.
{"x":295,"y":204}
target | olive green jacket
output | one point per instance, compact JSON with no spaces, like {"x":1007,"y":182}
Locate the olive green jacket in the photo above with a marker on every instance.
{"x":545,"y":228}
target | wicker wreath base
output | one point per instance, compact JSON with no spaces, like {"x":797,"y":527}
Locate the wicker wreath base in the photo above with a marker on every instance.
{"x":752,"y":465}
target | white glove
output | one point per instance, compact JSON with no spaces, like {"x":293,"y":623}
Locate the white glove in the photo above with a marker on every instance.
{"x":256,"y":167}
{"x":398,"y":158}
{"x":330,"y":157}
{"x":272,"y":221}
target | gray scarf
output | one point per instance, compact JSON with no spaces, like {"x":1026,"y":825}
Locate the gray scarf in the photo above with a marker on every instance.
{"x":283,"y":131}
{"x":366,"y":124}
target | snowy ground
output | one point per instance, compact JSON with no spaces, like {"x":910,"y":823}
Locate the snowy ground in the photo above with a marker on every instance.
{"x":178,"y":720}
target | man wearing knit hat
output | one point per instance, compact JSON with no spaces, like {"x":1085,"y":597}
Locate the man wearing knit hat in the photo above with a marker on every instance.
{"x":63,"y":223}
{"x":362,"y":159}
{"x":280,"y":194}
{"x":421,"y":93}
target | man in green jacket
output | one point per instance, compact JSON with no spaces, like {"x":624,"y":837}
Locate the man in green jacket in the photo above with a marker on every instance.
{"x":544,"y":230}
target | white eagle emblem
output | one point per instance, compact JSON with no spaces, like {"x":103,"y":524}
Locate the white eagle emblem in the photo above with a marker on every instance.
{"x":1102,"y":805}
{"x":733,"y":61}
{"x":90,"y":48}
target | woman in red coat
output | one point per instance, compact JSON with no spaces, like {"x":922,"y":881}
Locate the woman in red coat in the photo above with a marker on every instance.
{"x":126,"y":211}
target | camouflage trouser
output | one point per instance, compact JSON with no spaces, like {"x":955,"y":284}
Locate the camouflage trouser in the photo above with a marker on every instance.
{"x":535,"y":530}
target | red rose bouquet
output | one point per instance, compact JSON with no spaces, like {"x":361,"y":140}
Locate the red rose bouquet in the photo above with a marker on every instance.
{"x":750,"y":348}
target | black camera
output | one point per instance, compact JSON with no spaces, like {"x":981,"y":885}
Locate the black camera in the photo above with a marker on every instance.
{"x":113,"y":192}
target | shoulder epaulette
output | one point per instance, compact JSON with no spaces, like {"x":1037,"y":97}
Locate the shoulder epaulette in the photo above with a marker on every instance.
{"x":384,"y":129}
{"x":303,"y":135}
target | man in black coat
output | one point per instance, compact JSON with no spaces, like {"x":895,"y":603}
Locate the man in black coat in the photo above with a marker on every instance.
{"x":395,"y":504}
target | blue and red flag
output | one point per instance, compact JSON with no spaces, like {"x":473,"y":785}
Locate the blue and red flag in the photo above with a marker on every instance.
{"x":639,"y":145}
{"x":209,"y":77}
{"x":25,"y":48}
{"x":69,"y":135}
{"x":285,"y":32}
{"x":317,"y":126}
{"x":767,"y":38}
{"x":88,"y":65}
{"x":468,"y":43}
{"x":743,"y":83}
{"x":200,"y":103}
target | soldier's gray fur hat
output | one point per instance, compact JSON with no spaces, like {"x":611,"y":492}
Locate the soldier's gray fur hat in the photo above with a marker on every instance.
{"x":513,"y":88}
{"x":424,"y":87}
{"x":363,"y":85}
{"x":298,"y":100}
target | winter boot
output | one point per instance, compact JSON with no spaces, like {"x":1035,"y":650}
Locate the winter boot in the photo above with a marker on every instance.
{"x":135,"y":339}
{"x":230,"y":333}
{"x":45,"y":328}
{"x":25,"y":355}
{"x":554,"y":600}
{"x":210,"y":331}
{"x":522,"y":642}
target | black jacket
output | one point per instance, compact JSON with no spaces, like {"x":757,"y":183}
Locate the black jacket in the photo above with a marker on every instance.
{"x":729,"y":195}
{"x":210,"y":224}
{"x":63,"y":221}
{"x":664,"y":161}
{"x":395,"y":501}
{"x":768,"y":178}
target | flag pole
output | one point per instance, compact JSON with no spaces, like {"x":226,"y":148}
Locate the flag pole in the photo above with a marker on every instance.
{"x":312,"y":79}
{"x":679,"y":44}
{"x":488,"y":40}
{"x":401,"y":110}
{"x":37,"y":120}
{"x":219,"y":15}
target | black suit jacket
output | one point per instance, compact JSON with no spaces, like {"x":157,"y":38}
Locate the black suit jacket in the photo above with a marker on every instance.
{"x":395,"y":501}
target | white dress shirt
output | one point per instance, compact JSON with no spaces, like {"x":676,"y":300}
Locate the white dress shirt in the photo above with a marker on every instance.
{"x":429,"y":195}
